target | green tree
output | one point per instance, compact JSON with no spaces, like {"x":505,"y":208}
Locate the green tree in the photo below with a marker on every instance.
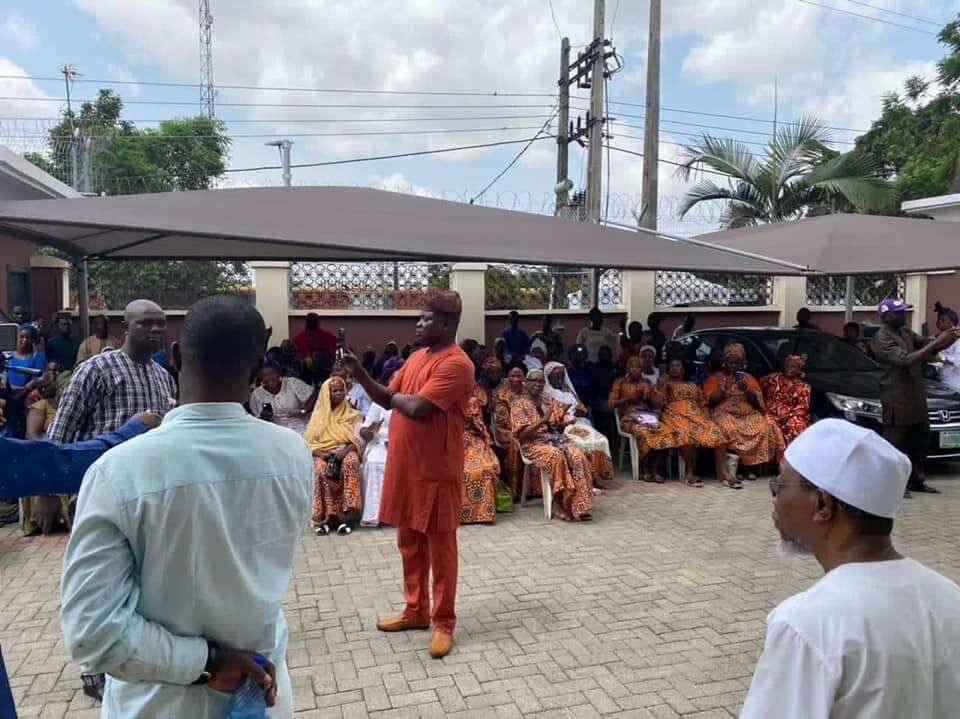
{"x":916,"y":139}
{"x":179,"y":154}
{"x":798,"y":175}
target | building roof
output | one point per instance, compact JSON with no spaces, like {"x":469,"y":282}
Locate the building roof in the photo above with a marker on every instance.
{"x":20,"y":179}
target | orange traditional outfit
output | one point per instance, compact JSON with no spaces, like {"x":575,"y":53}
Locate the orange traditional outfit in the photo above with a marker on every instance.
{"x":422,"y":481}
{"x":481,"y":468}
{"x":567,"y":467}
{"x":788,"y":400}
{"x":650,"y":436}
{"x":335,"y":494}
{"x":685,"y":416}
{"x":503,"y":434}
{"x":753,"y":435}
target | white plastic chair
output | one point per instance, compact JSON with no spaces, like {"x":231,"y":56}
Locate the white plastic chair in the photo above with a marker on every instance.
{"x":546,"y":489}
{"x":631,"y":442}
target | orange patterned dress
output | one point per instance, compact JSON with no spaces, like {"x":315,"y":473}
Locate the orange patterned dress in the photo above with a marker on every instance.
{"x":788,"y":403}
{"x":481,"y":468}
{"x":337,"y":497}
{"x":566,"y":466}
{"x":503,"y":433}
{"x":753,"y":435}
{"x":684,"y":414}
{"x":642,"y":392}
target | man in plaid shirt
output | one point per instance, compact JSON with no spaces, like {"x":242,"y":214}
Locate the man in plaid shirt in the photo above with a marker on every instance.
{"x":109,"y":388}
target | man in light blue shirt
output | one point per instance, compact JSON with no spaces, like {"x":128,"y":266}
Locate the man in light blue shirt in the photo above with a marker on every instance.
{"x":183,"y":544}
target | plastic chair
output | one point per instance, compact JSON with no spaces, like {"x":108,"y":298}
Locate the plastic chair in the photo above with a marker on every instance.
{"x":631,"y":442}
{"x":545,"y":488}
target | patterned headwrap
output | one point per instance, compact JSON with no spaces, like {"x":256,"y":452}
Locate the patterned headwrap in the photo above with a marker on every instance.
{"x":492,"y":363}
{"x":799,"y":359}
{"x":634,"y":361}
{"x":735,"y":350}
{"x":648,"y":348}
{"x":30,"y":329}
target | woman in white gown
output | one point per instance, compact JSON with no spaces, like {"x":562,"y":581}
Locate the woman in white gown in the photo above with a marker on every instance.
{"x":593,"y":443}
{"x":374,"y":431}
{"x":949,"y":358}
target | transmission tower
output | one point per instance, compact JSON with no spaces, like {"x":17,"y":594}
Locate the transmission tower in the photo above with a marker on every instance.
{"x":207,"y":92}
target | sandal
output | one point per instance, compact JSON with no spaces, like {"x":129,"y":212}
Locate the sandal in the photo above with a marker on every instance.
{"x":694,"y":482}
{"x":660,"y":480}
{"x":344,"y":529}
{"x":322,"y":530}
{"x":731,"y":483}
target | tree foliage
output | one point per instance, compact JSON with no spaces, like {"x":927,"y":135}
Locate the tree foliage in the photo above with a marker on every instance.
{"x":116,"y":157}
{"x":916,"y":139}
{"x":797,"y":175}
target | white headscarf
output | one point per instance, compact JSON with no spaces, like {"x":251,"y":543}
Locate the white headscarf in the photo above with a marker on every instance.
{"x":567,"y":395}
{"x":532,"y":362}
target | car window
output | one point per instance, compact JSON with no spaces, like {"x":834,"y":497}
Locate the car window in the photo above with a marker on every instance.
{"x":757,"y":364}
{"x":824,"y":352}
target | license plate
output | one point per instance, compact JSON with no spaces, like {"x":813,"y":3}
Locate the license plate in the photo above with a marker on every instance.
{"x":949,"y":440}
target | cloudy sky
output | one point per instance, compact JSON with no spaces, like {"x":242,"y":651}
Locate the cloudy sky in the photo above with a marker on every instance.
{"x":720,"y":57}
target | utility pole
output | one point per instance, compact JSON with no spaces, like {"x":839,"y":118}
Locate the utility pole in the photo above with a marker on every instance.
{"x":284,"y":146}
{"x":651,"y":130}
{"x":595,"y":122}
{"x":563,"y":138}
{"x":68,"y":75}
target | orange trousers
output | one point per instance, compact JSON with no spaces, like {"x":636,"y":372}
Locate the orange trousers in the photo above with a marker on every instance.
{"x":422,"y":553}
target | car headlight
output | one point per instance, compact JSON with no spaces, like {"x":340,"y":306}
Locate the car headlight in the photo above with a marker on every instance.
{"x":853,"y":407}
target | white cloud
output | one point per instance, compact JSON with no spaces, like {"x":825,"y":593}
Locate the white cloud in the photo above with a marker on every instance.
{"x":25,"y":89}
{"x":19,"y":31}
{"x":398,"y":182}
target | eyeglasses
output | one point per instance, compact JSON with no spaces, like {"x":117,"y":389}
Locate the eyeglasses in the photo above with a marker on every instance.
{"x":776,"y":484}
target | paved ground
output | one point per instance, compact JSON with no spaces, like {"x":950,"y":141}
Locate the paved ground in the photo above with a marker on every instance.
{"x":655,"y":609}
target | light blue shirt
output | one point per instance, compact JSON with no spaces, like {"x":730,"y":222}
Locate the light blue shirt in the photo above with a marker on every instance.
{"x":185,"y":534}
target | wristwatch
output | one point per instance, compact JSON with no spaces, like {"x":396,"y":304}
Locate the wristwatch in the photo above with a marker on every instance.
{"x":212,"y":649}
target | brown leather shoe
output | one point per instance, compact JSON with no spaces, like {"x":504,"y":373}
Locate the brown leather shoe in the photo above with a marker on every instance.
{"x":400,"y":624}
{"x":440,"y":644}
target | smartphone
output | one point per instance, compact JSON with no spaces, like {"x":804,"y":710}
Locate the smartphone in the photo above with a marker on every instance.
{"x":341,"y":343}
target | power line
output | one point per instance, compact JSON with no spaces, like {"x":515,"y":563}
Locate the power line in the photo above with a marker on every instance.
{"x":555,"y":23}
{"x":515,"y":159}
{"x":868,"y":17}
{"x":394,"y":156}
{"x":669,"y":162}
{"x":318,"y":120}
{"x":155,"y":138}
{"x":894,"y":12}
{"x":270,"y":88}
{"x":277,"y":104}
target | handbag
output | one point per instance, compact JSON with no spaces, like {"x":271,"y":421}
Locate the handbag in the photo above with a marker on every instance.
{"x":504,"y":498}
{"x":333,"y":466}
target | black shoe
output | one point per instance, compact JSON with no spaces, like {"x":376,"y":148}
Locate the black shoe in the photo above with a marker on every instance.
{"x":923,"y":488}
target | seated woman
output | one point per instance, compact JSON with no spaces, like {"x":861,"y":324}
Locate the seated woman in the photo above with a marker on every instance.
{"x":507,"y":392}
{"x":374,"y":432}
{"x":481,"y":468}
{"x":333,"y":439}
{"x":736,"y":404}
{"x":648,"y":365}
{"x":43,"y":513}
{"x":787,"y":398}
{"x":685,"y":417}
{"x":538,"y":427}
{"x":637,"y":403}
{"x":560,"y":389}
{"x":286,"y":401}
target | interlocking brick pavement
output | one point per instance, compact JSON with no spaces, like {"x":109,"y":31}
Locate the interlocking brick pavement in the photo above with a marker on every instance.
{"x":654,"y":610}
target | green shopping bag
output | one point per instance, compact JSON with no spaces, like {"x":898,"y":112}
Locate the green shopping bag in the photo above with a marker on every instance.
{"x":504,"y":498}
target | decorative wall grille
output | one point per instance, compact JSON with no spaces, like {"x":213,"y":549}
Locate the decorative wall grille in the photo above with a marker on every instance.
{"x":674,"y":289}
{"x":831,"y":290}
{"x":540,"y":287}
{"x":364,"y":285}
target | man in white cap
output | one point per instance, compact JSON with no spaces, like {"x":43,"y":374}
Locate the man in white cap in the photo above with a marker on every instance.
{"x":878,"y":635}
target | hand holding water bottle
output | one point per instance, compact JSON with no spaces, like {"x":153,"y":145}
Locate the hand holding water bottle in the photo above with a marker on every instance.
{"x":249,"y":676}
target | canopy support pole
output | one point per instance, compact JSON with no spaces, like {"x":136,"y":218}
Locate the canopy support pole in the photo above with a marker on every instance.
{"x":848,"y":301}
{"x":83,"y":294}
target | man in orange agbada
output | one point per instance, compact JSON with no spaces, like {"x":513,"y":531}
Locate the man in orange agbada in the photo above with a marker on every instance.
{"x":421,"y":483}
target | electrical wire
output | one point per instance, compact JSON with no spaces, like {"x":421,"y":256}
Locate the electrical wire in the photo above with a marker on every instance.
{"x":554,"y":16}
{"x":391,"y":157}
{"x":666,"y":162}
{"x":272,"y":104}
{"x":868,"y":17}
{"x":515,"y":159}
{"x":894,"y":12}
{"x":269,"y":88}
{"x":319,"y":120}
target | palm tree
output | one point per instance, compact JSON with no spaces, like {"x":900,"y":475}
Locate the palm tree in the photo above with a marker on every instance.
{"x":797,"y":175}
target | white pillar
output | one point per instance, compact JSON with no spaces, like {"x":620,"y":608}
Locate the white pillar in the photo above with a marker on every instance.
{"x":639,"y":294}
{"x":789,"y":294}
{"x":916,"y":295}
{"x":272,"y":285}
{"x":470,"y":280}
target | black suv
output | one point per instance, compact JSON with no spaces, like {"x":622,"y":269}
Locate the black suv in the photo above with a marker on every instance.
{"x":845,"y":382}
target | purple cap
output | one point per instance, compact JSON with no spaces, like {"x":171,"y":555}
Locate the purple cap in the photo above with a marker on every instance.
{"x":892,"y":304}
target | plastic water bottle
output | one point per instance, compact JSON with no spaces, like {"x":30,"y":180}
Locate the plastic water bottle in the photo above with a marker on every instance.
{"x":250,"y":700}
